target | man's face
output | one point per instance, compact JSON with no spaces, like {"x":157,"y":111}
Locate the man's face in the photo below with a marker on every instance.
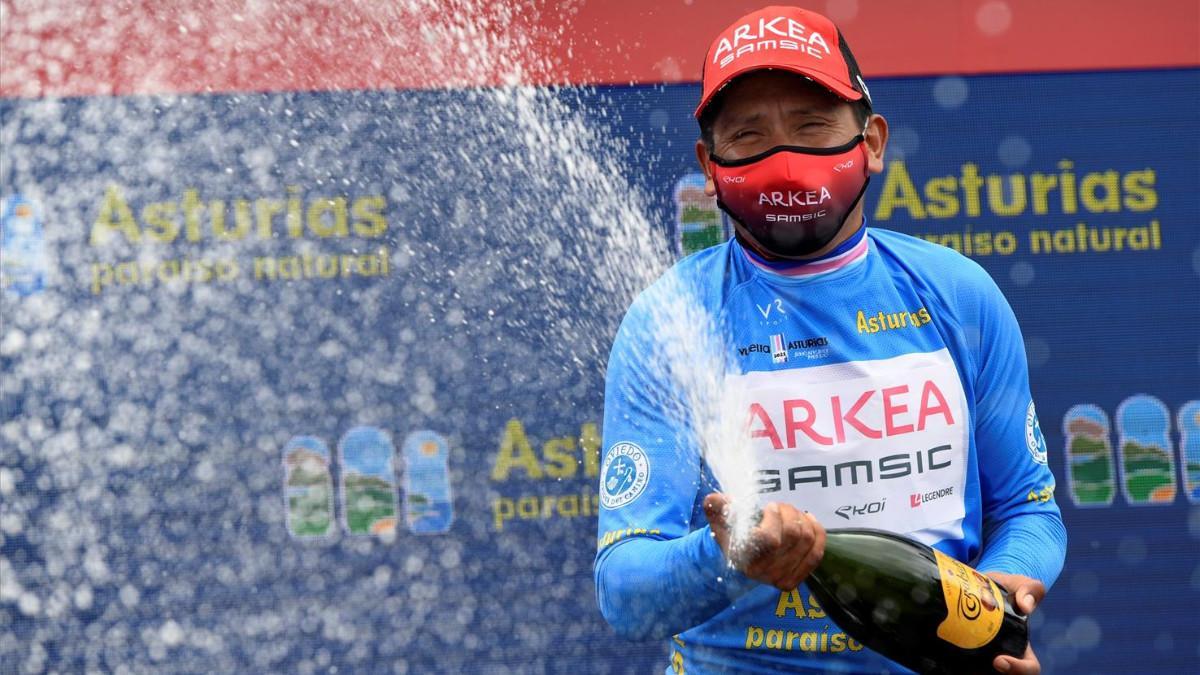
{"x":770,"y":108}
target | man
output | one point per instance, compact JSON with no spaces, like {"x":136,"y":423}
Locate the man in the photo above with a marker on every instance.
{"x":893,"y":392}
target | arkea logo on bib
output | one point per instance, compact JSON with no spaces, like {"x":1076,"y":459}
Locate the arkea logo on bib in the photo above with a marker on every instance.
{"x":836,"y":439}
{"x":625,"y":474}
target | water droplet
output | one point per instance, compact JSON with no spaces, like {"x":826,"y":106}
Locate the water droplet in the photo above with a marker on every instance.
{"x":994,"y":18}
{"x":950,"y":92}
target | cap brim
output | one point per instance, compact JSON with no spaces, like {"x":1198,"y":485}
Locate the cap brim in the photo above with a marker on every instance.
{"x":841,"y":89}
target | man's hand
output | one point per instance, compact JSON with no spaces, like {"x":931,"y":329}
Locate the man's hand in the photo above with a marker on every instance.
{"x":784,"y":548}
{"x":1027,"y":594}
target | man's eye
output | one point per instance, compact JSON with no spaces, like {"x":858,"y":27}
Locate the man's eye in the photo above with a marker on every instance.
{"x":744,"y":134}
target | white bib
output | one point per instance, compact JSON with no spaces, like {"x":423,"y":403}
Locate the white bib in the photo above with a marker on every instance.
{"x":879,"y":444}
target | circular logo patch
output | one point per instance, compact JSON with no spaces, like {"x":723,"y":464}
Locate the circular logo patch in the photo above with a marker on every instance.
{"x":1034,"y":441}
{"x":624,"y":475}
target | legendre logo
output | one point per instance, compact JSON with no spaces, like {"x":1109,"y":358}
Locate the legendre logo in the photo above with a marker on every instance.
{"x":918,"y":498}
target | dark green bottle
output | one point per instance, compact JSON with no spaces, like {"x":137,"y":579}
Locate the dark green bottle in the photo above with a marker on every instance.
{"x":916,"y":606}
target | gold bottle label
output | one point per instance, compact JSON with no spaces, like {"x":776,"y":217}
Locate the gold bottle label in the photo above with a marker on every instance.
{"x":973,"y":610}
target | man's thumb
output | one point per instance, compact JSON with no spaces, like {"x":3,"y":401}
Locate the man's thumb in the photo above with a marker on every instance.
{"x":716,"y":505}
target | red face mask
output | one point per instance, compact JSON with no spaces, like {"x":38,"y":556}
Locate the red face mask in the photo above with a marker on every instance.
{"x":791,"y":201}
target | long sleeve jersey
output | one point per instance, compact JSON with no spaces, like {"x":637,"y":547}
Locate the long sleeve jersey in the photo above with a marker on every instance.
{"x":885,"y":388}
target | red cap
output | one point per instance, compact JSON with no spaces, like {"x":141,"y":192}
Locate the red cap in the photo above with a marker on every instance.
{"x":783,"y":38}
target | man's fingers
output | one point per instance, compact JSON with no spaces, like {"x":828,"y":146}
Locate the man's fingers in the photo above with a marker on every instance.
{"x":1028,"y":665}
{"x":780,"y":569}
{"x":716,"y":506}
{"x":1026,"y":602}
{"x":1026,"y":593}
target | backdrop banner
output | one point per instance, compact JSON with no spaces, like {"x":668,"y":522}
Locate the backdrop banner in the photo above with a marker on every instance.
{"x":312,"y":380}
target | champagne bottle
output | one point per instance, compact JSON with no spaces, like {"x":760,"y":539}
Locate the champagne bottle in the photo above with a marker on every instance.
{"x":915,"y":605}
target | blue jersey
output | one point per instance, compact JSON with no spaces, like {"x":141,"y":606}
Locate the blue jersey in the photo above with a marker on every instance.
{"x":888,"y":389}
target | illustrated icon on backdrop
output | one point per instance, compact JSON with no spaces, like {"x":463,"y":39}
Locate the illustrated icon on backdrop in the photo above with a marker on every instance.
{"x":1189,"y":448}
{"x":307,"y":487}
{"x":428,"y":505}
{"x":368,"y":482}
{"x":698,"y":221}
{"x":1091,"y":476}
{"x":1144,"y":443}
{"x":22,"y":247}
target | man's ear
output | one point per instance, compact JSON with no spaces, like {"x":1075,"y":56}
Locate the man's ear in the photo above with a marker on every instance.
{"x":710,"y":185}
{"x":876,"y":142}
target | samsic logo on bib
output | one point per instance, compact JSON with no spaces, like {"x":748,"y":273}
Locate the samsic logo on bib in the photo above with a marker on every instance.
{"x":862,"y":432}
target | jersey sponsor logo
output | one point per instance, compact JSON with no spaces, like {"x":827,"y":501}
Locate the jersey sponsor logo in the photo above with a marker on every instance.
{"x":778,"y":348}
{"x":1041,"y":496}
{"x":795,"y":197}
{"x":879,"y":322}
{"x":850,"y":511}
{"x":856,"y":472}
{"x":833,"y":420}
{"x":916,"y":499}
{"x":625,"y":474}
{"x":821,"y":435}
{"x":795,"y":217}
{"x":1034,"y":441}
{"x":779,"y":32}
{"x":776,"y":306}
{"x":812,"y":347}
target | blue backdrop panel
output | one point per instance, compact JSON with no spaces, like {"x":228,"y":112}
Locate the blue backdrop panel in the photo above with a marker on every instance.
{"x":297,"y":381}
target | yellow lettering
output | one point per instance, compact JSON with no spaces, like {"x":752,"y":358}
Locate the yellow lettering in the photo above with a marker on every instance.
{"x":942,"y":196}
{"x":502,"y":510}
{"x":295,"y":224}
{"x":264,"y":213}
{"x":1110,"y":202}
{"x":527,"y":507}
{"x":1067,"y":183}
{"x":1140,"y":194}
{"x":559,"y":457}
{"x":1042,"y":185}
{"x":754,"y":637}
{"x":774,"y":639}
{"x":790,"y":600}
{"x":191,"y":214}
{"x":114,"y":215}
{"x":160,"y":221}
{"x":1016,"y":187}
{"x":971,"y":182}
{"x":899,"y":193}
{"x":589,"y":443}
{"x":515,"y":452}
{"x":368,"y":214}
{"x":814,"y":610}
{"x":568,"y":507}
{"x":319,"y":225}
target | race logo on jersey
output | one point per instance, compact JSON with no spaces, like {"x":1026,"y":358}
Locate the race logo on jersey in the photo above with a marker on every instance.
{"x":625,"y":474}
{"x":778,"y":348}
{"x":1034,"y":441}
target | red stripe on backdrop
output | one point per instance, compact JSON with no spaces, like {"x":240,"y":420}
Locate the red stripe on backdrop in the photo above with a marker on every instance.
{"x":64,"y":48}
